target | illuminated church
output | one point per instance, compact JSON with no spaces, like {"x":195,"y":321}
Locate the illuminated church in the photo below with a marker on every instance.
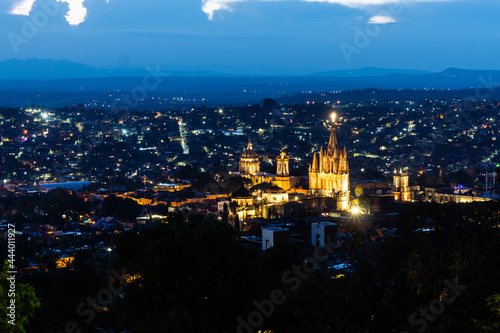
{"x":400,"y":188}
{"x":328,"y":183}
{"x":249,"y":162}
{"x":250,"y":168}
{"x":329,"y":172}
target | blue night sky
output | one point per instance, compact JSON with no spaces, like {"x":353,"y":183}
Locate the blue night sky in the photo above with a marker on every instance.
{"x":256,"y":37}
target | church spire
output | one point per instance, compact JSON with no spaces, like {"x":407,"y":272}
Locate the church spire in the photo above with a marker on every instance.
{"x":321,"y":159}
{"x":333,"y":143}
{"x":315,"y":164}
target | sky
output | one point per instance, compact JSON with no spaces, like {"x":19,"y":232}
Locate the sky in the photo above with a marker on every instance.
{"x":255,"y":36}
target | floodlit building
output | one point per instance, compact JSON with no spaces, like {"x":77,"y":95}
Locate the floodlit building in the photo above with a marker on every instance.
{"x":275,"y":194}
{"x":249,"y":162}
{"x":400,"y":187}
{"x":282,"y":171}
{"x":328,"y":183}
{"x":329,"y":172}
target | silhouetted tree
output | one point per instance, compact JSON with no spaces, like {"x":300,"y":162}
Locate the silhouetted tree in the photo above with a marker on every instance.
{"x":225,"y":213}
{"x":26,"y":303}
{"x":237,"y":223}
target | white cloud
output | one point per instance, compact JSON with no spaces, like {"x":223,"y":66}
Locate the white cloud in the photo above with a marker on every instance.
{"x":22,"y":7}
{"x":381,"y":19}
{"x":76,"y":13}
{"x":211,"y":6}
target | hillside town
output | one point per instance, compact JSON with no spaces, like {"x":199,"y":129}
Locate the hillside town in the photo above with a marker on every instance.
{"x":321,"y":175}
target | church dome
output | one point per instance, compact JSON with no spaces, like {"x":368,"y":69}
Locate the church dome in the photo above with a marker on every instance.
{"x":275,"y":190}
{"x":249,"y":152}
{"x":242,"y":192}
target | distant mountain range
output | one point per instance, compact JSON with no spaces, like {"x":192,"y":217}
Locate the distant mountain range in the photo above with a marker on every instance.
{"x":48,"y":69}
{"x":62,"y":82}
{"x":369,"y":71}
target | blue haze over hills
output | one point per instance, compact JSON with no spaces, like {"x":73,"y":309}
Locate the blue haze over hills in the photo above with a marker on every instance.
{"x":60,"y":82}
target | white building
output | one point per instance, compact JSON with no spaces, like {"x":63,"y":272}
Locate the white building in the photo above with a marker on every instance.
{"x":323,"y":231}
{"x":271,"y":234}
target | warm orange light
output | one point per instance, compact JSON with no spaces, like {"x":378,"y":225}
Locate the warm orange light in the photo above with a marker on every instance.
{"x":334,"y":116}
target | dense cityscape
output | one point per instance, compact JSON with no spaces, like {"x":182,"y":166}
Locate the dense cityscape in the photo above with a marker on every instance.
{"x":91,"y":192}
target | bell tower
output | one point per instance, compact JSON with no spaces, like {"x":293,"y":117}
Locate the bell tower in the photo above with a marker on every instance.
{"x":283,"y":172}
{"x":400,"y":186}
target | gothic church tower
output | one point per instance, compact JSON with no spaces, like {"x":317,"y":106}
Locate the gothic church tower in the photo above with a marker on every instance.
{"x":329,"y":172}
